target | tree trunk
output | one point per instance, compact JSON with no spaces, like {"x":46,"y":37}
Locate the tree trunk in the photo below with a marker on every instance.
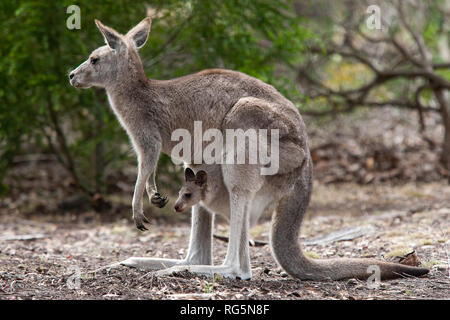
{"x":442,"y":97}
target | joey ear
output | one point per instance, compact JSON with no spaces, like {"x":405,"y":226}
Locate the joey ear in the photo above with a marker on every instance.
{"x":200,"y":178}
{"x":139,"y":34}
{"x":112,"y":37}
{"x":189,"y":174}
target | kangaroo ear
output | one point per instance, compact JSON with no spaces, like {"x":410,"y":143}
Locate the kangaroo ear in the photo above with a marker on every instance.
{"x":200,"y":178}
{"x":139,"y":34}
{"x":112,"y":37}
{"x":189,"y":174}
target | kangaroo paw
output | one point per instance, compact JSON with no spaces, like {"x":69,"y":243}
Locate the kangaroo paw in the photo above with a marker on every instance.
{"x":159,"y":201}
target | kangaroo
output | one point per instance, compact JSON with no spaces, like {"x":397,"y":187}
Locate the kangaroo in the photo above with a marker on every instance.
{"x":150,"y":110}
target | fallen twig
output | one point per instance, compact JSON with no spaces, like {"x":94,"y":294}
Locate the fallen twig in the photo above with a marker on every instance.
{"x":341,"y":235}
{"x":253,"y":243}
{"x":24,"y":237}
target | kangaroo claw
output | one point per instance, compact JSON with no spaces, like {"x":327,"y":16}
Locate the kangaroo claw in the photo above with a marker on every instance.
{"x":139,"y":221}
{"x":159,"y":201}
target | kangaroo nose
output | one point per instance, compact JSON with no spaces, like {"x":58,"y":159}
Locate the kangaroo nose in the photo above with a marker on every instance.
{"x":177,"y":207}
{"x":71,"y":75}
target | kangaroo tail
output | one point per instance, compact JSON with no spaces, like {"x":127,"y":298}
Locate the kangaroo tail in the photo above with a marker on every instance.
{"x":288,"y":252}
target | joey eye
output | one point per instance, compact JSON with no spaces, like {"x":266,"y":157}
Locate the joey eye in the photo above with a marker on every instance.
{"x":94,"y":60}
{"x":188,"y":195}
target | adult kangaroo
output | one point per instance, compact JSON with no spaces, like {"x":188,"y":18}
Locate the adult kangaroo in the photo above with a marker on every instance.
{"x":150,"y":110}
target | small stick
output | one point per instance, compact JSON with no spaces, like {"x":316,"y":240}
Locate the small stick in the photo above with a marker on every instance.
{"x":24,"y":237}
{"x":253,"y":243}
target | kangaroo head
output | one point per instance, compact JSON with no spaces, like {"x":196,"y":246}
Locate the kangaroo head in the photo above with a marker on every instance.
{"x":116,"y":61}
{"x":193,"y":191}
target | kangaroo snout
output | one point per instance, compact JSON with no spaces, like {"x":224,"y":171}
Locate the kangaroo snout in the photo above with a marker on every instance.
{"x":73,"y":82}
{"x":179,"y":208}
{"x":77,"y":79}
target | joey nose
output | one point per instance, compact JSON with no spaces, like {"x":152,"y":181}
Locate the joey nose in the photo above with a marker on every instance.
{"x":71,"y":75}
{"x":177,"y":207}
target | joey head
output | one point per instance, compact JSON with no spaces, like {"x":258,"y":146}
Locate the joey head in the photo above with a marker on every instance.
{"x":193,"y":191}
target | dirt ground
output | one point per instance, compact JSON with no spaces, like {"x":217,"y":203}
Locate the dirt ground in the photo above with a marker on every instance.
{"x":394,"y":221}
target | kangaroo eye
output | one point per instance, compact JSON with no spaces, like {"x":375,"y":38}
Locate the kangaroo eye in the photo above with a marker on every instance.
{"x":94,"y":60}
{"x":188,"y":195}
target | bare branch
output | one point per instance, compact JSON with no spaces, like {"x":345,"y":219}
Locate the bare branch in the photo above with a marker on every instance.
{"x":418,"y":39}
{"x":405,"y":53}
{"x":437,"y":66}
{"x":354,"y":54}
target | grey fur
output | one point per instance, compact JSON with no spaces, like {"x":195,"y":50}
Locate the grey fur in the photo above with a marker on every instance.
{"x":150,"y":110}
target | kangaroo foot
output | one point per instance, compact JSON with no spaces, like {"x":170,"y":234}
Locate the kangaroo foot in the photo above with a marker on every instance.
{"x":143,"y":263}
